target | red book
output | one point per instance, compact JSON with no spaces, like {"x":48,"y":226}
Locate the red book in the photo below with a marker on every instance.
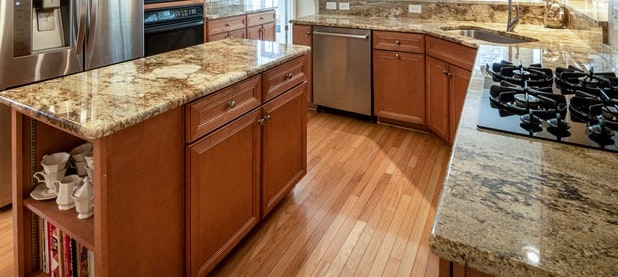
{"x":55,"y":246}
{"x":83,"y":261}
{"x":66,"y":240}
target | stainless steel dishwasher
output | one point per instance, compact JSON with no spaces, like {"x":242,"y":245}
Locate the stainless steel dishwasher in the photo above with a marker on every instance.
{"x":342,"y":69}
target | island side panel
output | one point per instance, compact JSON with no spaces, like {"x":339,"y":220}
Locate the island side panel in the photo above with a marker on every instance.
{"x":139,"y":204}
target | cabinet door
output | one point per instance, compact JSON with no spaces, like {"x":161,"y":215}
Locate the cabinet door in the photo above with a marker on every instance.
{"x":399,"y":86}
{"x":437,"y":97}
{"x":269,"y":31}
{"x":301,"y":35}
{"x":284,"y":146}
{"x":254,"y":32}
{"x":224,"y":192}
{"x":458,"y":87}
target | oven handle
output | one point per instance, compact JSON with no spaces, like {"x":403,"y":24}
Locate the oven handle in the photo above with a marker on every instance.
{"x":172,"y":26}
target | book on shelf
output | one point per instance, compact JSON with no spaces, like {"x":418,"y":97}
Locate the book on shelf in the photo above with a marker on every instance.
{"x":61,"y":255}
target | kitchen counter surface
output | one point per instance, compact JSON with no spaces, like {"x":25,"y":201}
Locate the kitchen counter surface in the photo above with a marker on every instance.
{"x":511,"y":205}
{"x":99,"y":102}
{"x":216,"y":11}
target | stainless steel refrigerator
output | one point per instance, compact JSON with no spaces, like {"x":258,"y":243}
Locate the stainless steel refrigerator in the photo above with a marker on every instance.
{"x":44,"y":39}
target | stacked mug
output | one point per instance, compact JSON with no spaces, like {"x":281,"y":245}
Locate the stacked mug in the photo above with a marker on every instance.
{"x":54,"y":169}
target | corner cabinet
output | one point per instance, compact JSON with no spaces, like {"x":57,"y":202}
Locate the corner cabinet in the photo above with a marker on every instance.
{"x":246,"y":150}
{"x":448,"y":71}
{"x":399,"y":77}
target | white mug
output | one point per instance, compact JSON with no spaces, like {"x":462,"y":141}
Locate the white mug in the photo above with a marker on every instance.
{"x":66,"y":186}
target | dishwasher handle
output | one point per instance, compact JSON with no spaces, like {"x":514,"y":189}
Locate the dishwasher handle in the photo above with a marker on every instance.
{"x":340,"y":35}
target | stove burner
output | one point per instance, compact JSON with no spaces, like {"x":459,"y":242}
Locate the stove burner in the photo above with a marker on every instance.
{"x":534,"y":75}
{"x":579,"y":107}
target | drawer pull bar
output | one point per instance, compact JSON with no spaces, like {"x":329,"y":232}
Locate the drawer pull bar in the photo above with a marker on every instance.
{"x":288,"y":76}
{"x":228,"y":24}
{"x":397,"y":42}
{"x":231,"y":104}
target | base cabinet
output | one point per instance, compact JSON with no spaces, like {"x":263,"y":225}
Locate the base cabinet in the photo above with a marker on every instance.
{"x":448,"y":71}
{"x":284,"y":146}
{"x":453,"y":269}
{"x":302,"y":35}
{"x":241,"y":169}
{"x":224,"y":190}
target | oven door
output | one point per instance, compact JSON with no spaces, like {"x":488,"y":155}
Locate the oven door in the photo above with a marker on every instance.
{"x":173,"y":35}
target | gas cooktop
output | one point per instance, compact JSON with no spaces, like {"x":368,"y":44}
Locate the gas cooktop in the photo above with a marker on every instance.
{"x":565,"y":105}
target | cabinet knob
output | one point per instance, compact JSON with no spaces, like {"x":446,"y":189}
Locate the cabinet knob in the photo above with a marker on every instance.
{"x":231,"y":104}
{"x":268,"y":117}
{"x":308,"y":33}
{"x":261,"y":17}
{"x":397,"y":42}
{"x":288,"y":76}
{"x":398,"y":56}
{"x":447,"y":73}
{"x":228,"y":24}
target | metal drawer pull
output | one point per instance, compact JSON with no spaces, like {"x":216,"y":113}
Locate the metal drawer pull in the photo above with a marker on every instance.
{"x":261,"y":17}
{"x":397,"y":42}
{"x":228,"y":24}
{"x":341,"y":35}
{"x":397,"y":55}
{"x":288,"y":76}
{"x":231,"y":104}
{"x":308,"y":33}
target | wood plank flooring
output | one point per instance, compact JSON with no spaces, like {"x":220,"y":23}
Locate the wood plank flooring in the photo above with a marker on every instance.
{"x":365,"y":208}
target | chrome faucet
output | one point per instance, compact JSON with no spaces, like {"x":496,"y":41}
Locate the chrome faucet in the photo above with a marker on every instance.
{"x":512,"y":22}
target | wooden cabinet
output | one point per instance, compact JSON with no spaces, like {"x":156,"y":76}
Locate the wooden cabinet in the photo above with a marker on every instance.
{"x":261,"y":26}
{"x":221,"y":28}
{"x":453,"y":269}
{"x":448,"y":71}
{"x":138,"y":181}
{"x":302,"y":35}
{"x":284,"y":146}
{"x":242,"y":159}
{"x":224,"y":191}
{"x":399,"y":77}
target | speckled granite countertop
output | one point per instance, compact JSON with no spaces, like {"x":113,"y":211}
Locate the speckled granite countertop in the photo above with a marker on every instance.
{"x":214,"y":11}
{"x":514,"y":206}
{"x":102,"y":101}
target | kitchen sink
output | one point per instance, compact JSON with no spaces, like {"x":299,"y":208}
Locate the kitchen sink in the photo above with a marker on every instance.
{"x":490,"y":36}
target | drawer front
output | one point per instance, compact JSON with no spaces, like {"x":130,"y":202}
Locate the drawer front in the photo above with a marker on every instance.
{"x":213,"y":111}
{"x":394,"y":41}
{"x":254,"y":19}
{"x":451,"y":52}
{"x":232,"y":34}
{"x":222,"y":25}
{"x":279,"y":79}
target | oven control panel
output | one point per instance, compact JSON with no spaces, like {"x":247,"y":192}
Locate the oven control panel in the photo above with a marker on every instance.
{"x":173,"y":14}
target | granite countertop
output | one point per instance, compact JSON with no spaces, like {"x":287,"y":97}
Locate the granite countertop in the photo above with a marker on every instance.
{"x":214,"y":11}
{"x":512,"y":205}
{"x":99,"y":102}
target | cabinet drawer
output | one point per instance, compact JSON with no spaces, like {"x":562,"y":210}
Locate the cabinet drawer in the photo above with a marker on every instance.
{"x":222,"y":25}
{"x":254,"y":19}
{"x":215,"y":110}
{"x":281,"y":78}
{"x":232,"y":34}
{"x":395,"y":41}
{"x":457,"y":54}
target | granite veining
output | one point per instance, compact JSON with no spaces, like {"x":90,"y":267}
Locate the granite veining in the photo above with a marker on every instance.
{"x":102,"y":101}
{"x":214,"y":11}
{"x":512,"y":205}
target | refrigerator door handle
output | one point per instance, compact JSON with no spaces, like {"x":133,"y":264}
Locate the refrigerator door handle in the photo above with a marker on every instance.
{"x":81,"y":28}
{"x":92,"y":24}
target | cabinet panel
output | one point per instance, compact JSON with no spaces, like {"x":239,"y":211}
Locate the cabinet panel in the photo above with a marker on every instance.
{"x":399,"y":86}
{"x":458,"y":89}
{"x":224,"y":178}
{"x":395,"y":41}
{"x":269,"y":32}
{"x":281,"y":78}
{"x":451,"y":52}
{"x":301,"y":35}
{"x":260,"y":18}
{"x":284,"y":146}
{"x":226,"y":24}
{"x":214,"y":110}
{"x":262,"y":32}
{"x":437,"y":97}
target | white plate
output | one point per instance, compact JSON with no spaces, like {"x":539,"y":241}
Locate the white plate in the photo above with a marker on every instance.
{"x":40,"y":193}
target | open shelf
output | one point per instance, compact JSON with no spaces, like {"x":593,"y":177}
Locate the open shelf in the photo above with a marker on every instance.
{"x":82,"y":230}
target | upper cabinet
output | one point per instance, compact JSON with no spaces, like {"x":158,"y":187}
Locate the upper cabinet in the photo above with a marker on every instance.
{"x":260,"y":26}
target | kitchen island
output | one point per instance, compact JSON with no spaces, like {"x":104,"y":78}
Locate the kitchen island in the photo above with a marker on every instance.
{"x":158,"y":124}
{"x":513,"y":205}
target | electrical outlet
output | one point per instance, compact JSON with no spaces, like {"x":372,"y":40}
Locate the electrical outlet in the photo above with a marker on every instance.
{"x":331,"y":5}
{"x":414,"y":8}
{"x":344,"y":6}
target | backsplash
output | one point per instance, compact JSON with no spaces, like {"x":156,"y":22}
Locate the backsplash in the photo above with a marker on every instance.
{"x":224,"y":3}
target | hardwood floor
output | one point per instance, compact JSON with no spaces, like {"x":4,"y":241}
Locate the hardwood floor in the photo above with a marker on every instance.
{"x":365,"y":208}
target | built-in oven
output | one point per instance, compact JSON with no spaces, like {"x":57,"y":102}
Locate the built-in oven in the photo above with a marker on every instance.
{"x":171,"y":28}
